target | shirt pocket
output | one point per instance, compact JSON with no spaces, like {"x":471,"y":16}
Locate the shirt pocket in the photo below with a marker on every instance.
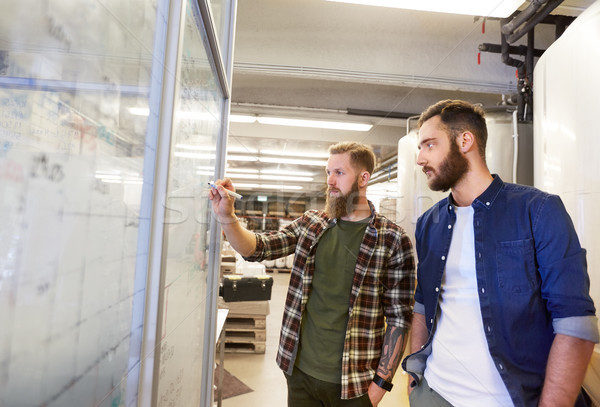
{"x":516,"y":270}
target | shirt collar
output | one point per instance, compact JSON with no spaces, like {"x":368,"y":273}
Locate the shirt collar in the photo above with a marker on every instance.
{"x":333,"y":222}
{"x":487,"y":198}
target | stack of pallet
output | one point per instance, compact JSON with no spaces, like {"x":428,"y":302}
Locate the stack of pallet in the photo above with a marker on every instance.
{"x":246,"y":326}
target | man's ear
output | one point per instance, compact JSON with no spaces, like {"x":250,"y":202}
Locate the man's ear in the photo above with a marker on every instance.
{"x":465,"y":141}
{"x":364,"y":178}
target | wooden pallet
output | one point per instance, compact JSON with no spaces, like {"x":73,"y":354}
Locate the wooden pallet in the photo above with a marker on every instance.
{"x":246,"y":321}
{"x":245,"y":333}
{"x":278,"y":270}
{"x":234,"y":347}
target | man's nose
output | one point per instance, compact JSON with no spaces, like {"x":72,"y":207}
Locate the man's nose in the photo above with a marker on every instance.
{"x":420,"y":159}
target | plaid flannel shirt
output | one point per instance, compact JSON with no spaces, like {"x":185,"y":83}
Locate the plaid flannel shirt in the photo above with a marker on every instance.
{"x":382,"y":291}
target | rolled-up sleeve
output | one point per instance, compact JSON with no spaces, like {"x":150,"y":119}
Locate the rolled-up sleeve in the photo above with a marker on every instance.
{"x":580,"y":327}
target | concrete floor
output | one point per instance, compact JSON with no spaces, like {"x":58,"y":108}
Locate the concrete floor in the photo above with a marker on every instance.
{"x":261,"y":373}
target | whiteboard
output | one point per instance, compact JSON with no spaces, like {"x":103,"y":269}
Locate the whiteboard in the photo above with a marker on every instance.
{"x":183,"y":309}
{"x":80,"y":138}
{"x":71,"y":165}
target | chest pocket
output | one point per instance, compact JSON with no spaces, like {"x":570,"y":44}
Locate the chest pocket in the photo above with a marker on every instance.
{"x":515,"y":261}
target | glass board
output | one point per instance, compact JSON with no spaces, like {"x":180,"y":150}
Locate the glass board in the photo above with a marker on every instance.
{"x":197,"y":126}
{"x":72,"y":254}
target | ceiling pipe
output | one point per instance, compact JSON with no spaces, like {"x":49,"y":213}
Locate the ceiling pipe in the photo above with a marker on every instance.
{"x":512,"y":29}
{"x":389,"y":175}
{"x":408,"y":119}
{"x":378,"y":113}
{"x":522,"y":17}
{"x":512,"y":49}
{"x":518,"y":32}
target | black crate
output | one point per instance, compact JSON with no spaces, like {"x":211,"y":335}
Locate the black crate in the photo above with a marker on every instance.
{"x":236,"y":288}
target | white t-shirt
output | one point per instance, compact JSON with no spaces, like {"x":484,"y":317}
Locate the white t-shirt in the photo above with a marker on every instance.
{"x":460,"y":367}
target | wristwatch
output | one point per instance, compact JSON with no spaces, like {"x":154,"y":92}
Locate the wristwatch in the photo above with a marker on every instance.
{"x":381,"y":382}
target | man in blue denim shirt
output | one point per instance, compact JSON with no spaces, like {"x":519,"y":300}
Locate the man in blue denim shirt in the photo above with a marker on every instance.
{"x":503,"y":314}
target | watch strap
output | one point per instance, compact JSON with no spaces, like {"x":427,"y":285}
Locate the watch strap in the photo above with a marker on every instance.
{"x":381,"y":382}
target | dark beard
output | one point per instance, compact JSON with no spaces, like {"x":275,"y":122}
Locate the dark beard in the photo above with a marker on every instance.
{"x":339,"y":206}
{"x":451,"y":170}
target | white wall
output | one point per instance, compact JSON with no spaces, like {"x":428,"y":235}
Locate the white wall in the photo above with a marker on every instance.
{"x":567,"y":139}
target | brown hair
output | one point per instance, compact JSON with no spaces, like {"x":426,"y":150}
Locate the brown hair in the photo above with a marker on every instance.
{"x":459,"y":116}
{"x":361,"y":155}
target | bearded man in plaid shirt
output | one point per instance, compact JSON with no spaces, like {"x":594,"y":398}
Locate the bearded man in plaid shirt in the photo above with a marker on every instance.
{"x":349,"y":303}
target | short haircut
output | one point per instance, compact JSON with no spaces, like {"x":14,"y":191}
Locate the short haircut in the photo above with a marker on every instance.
{"x":361,"y":155}
{"x":458,"y":116}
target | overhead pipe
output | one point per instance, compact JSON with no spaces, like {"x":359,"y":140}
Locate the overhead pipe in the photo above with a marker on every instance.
{"x":408,"y":119}
{"x":384,"y":176}
{"x":512,"y":49}
{"x":520,"y":65}
{"x":522,"y":17}
{"x":516,"y":33}
{"x":515,"y":146}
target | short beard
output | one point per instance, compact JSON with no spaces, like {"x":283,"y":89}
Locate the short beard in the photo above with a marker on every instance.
{"x":340,"y":206}
{"x":451,"y":170}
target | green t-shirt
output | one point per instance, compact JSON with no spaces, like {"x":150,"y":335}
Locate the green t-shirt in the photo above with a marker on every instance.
{"x":325,"y":319}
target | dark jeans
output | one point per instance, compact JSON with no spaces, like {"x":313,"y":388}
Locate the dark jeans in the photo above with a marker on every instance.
{"x":425,"y":396}
{"x":306,"y":391}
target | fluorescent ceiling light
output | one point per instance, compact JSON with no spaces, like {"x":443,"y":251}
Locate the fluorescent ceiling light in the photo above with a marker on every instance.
{"x":200,"y":156}
{"x":139,"y":111}
{"x":320,"y":124}
{"x":195,"y":115}
{"x":296,"y":154}
{"x":236,"y":149}
{"x":296,"y":173}
{"x":484,"y":8}
{"x":247,"y":186}
{"x":293,"y":187}
{"x":242,"y":170}
{"x":281,"y":160}
{"x":238,"y":118}
{"x":241,"y":158}
{"x":108,"y":176}
{"x":241,"y":149}
{"x":195,"y":147}
{"x":270,"y":177}
{"x":268,"y":186}
{"x":190,"y":115}
{"x":286,"y":178}
{"x":242,"y":176}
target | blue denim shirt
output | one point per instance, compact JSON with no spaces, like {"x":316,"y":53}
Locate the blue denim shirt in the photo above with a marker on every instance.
{"x":531,"y":277}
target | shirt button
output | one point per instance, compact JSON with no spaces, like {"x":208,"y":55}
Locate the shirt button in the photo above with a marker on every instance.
{"x":449,"y":226}
{"x":437,"y":289}
{"x":482,"y":290}
{"x":479,"y":254}
{"x":489,"y":328}
{"x":443,"y":257}
{"x":500,"y":366}
{"x":487,"y":203}
{"x":450,"y":207}
{"x":431,"y":320}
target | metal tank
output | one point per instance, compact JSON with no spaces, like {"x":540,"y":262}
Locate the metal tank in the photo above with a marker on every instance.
{"x":414,"y":196}
{"x":509,"y":142}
